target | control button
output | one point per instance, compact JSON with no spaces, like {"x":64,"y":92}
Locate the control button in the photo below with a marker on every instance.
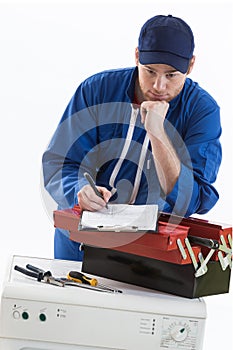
{"x":42,"y":317}
{"x":25,"y":315}
{"x":16,"y":315}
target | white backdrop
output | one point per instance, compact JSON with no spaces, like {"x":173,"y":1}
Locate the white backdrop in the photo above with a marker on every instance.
{"x":47,"y":49}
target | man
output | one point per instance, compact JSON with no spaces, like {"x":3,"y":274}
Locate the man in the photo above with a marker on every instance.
{"x":146,"y":134}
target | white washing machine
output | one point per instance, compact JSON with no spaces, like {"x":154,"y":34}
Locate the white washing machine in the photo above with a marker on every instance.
{"x":39,"y":316}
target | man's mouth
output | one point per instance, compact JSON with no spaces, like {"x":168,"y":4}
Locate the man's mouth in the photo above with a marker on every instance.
{"x":157,"y":97}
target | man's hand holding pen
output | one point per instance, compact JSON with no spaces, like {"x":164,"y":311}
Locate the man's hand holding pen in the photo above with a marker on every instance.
{"x":92,"y":197}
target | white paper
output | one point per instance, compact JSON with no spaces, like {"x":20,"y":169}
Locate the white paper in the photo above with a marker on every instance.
{"x":142,"y":217}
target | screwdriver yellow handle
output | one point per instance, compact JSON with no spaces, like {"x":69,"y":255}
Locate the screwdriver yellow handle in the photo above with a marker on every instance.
{"x":81,"y":278}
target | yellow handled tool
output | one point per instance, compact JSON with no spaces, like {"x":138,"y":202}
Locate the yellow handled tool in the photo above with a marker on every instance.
{"x":81,"y":278}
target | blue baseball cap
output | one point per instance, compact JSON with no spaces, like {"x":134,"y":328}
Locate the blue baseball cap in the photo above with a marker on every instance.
{"x":166,"y":40}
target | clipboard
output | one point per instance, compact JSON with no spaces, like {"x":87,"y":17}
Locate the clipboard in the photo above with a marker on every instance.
{"x":121,"y":218}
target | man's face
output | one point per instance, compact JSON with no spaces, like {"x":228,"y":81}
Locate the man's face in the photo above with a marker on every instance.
{"x":158,"y":82}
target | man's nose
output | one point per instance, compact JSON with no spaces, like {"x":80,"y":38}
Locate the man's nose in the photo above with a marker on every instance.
{"x":159,"y":83}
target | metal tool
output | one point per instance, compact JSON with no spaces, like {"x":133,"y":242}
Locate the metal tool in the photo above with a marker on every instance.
{"x":69,"y":282}
{"x":80,"y":281}
{"x":40,"y":275}
{"x":79,"y":277}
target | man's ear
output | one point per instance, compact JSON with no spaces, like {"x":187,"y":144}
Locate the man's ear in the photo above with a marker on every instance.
{"x":137,"y":56}
{"x":191,"y":64}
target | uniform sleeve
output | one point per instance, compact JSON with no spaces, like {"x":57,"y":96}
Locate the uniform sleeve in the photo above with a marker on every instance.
{"x":71,"y":151}
{"x":194,"y":191}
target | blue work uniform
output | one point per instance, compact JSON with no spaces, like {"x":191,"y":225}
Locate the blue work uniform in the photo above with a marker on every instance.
{"x":101,"y":133}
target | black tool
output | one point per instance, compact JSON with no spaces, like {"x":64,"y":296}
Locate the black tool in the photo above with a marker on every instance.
{"x":40,"y":275}
{"x":207,"y":242}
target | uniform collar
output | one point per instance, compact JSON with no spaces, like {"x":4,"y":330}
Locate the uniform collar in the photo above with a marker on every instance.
{"x":131,"y":87}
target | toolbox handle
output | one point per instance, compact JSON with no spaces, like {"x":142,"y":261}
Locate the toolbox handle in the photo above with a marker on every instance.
{"x":207,"y":242}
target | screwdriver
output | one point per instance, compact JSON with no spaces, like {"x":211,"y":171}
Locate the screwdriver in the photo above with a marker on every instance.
{"x":81,"y":278}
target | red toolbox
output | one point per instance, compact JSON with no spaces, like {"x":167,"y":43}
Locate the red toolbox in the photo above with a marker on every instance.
{"x":186,"y":256}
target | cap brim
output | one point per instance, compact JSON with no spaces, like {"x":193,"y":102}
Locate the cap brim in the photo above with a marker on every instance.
{"x":151,"y":57}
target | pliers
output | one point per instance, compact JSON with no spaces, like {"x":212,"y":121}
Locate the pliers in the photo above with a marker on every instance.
{"x":74,"y":279}
{"x":40,"y":275}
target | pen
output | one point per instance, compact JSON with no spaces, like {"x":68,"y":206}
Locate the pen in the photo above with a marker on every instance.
{"x":93,"y":186}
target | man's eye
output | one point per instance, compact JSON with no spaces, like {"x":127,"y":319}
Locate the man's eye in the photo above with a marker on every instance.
{"x":171,"y":75}
{"x":150,"y":71}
